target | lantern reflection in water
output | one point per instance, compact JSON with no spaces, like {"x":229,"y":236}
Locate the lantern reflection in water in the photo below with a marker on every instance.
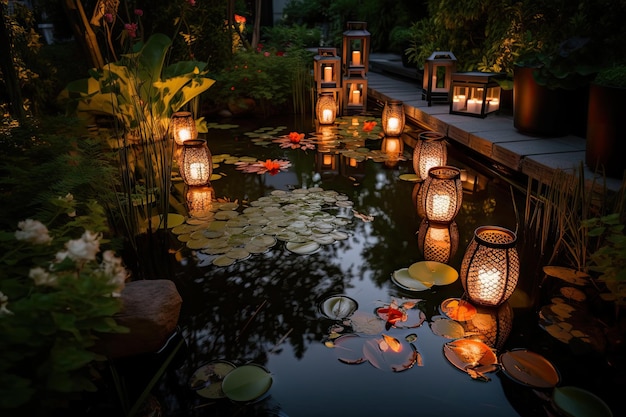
{"x":200,"y":201}
{"x":491,"y":325}
{"x":438,"y":242}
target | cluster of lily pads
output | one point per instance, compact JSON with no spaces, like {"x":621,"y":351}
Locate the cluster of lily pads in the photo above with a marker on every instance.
{"x":301,"y":219}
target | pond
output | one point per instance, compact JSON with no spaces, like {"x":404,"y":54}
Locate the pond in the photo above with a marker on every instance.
{"x":305,"y":301}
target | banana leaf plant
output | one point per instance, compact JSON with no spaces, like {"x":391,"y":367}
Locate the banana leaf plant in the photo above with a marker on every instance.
{"x":139,"y":90}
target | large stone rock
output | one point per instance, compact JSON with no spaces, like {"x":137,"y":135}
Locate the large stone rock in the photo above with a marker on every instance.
{"x":150,"y":311}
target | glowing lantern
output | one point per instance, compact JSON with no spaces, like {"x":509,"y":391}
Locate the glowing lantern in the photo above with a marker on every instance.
{"x":491,"y":325}
{"x":442,"y":194}
{"x":326,"y":109}
{"x":200,"y":201}
{"x":490,"y":266}
{"x":196,"y":164}
{"x":183,"y":127}
{"x":438,"y":71}
{"x":393,"y":118}
{"x":355,"y":50}
{"x":430,"y":151}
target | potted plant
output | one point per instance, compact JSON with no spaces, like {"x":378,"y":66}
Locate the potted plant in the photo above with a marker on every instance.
{"x":550,"y":88}
{"x":606,"y":132}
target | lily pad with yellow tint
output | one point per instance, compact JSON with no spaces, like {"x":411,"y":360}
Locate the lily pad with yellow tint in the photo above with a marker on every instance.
{"x":567,"y":274}
{"x":529,"y":368}
{"x":469,"y":354}
{"x":433,"y":272}
{"x":458,"y":309}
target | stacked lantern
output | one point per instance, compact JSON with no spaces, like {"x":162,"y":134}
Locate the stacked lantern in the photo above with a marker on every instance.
{"x":490,"y":266}
{"x":430,"y":151}
{"x":183,"y":127}
{"x":196,"y":165}
{"x":355,"y":60}
{"x":327,"y":73}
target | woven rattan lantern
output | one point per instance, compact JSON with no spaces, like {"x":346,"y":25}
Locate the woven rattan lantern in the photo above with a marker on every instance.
{"x":196,"y":165}
{"x":430,"y":151}
{"x":442,"y":194}
{"x":490,"y":266}
{"x":326,"y":109}
{"x":491,"y":325}
{"x":183,"y":127}
{"x":393,"y":118}
{"x":437,"y":241}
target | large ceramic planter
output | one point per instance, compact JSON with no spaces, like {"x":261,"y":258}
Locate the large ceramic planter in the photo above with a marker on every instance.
{"x":606,"y":130}
{"x":538,"y":110}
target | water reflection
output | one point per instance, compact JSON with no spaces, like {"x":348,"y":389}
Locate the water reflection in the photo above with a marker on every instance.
{"x":264,"y":309}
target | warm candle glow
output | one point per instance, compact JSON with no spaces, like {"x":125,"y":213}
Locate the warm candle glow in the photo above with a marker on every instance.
{"x":393,"y":124}
{"x":328,"y":160}
{"x":356,"y":97}
{"x":392,"y":145}
{"x":183,"y":135}
{"x":487,"y":283}
{"x":441,"y":205}
{"x":328,"y":74}
{"x":327,"y":116}
{"x":355,"y":121}
{"x":356,"y":58}
{"x":196,"y":170}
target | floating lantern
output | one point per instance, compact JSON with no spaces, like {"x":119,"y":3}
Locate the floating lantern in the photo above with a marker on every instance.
{"x":430,"y":151}
{"x":437,"y":241}
{"x":393,"y":118}
{"x":200,"y":201}
{"x":442,"y":194}
{"x":490,"y":266}
{"x":326,"y":109}
{"x":196,"y":164}
{"x":183,"y":127}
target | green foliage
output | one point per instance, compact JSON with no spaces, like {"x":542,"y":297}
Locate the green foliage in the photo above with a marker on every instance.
{"x":612,"y":77}
{"x":140,"y":91}
{"x":609,"y":260}
{"x":282,"y":37}
{"x":271,"y":77}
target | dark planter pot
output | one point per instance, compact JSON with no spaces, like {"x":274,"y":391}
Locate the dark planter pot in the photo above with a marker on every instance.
{"x":606,"y":130}
{"x":538,"y":110}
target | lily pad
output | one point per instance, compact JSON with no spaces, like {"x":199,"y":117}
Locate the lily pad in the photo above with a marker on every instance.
{"x":567,"y":274}
{"x":436,"y":273}
{"x":207,"y":380}
{"x":338,"y":307}
{"x":403,"y":279}
{"x":529,"y":368}
{"x":577,"y":402}
{"x":445,"y":327}
{"x":246,"y":383}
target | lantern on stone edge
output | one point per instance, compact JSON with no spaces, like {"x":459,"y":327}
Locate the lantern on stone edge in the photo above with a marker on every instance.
{"x":438,"y":71}
{"x":490,"y":267}
{"x":392,"y":118}
{"x":326,"y":109}
{"x":183,"y":127}
{"x":441,"y":194}
{"x":196,"y":164}
{"x":430,"y":151}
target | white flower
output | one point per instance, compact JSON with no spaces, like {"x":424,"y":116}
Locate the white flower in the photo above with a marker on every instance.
{"x":113,"y":267}
{"x":33,"y":231}
{"x":4,"y":300}
{"x":85,"y":248}
{"x":41,"y":277}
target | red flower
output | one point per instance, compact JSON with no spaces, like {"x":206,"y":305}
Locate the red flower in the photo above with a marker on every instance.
{"x":295,"y":137}
{"x":280,"y":53}
{"x":131,"y":28}
{"x":266,"y":53}
{"x":192,"y":2}
{"x":240,"y":19}
{"x":393,"y":315}
{"x":272,"y":167}
{"x":108,"y":17}
{"x":138,"y":12}
{"x":368,"y":125}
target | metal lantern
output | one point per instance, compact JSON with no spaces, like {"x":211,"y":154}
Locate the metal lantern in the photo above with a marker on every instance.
{"x":442,"y":194}
{"x":475,"y":93}
{"x":490,"y":266}
{"x":200,"y":201}
{"x":183,"y":127}
{"x":354,"y":92}
{"x":430,"y":151}
{"x":393,"y":118}
{"x":437,"y":241}
{"x":438,"y":71}
{"x":196,"y":165}
{"x":327,"y":68}
{"x":326,"y":109}
{"x":355,"y":51}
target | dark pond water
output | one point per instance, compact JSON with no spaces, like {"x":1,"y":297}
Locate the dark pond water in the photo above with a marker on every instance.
{"x":265,"y":309}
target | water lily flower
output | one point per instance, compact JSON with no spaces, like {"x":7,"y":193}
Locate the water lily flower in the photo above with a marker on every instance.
{"x":368,"y":125}
{"x":33,"y":231}
{"x":270,"y":166}
{"x":295,"y":137}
